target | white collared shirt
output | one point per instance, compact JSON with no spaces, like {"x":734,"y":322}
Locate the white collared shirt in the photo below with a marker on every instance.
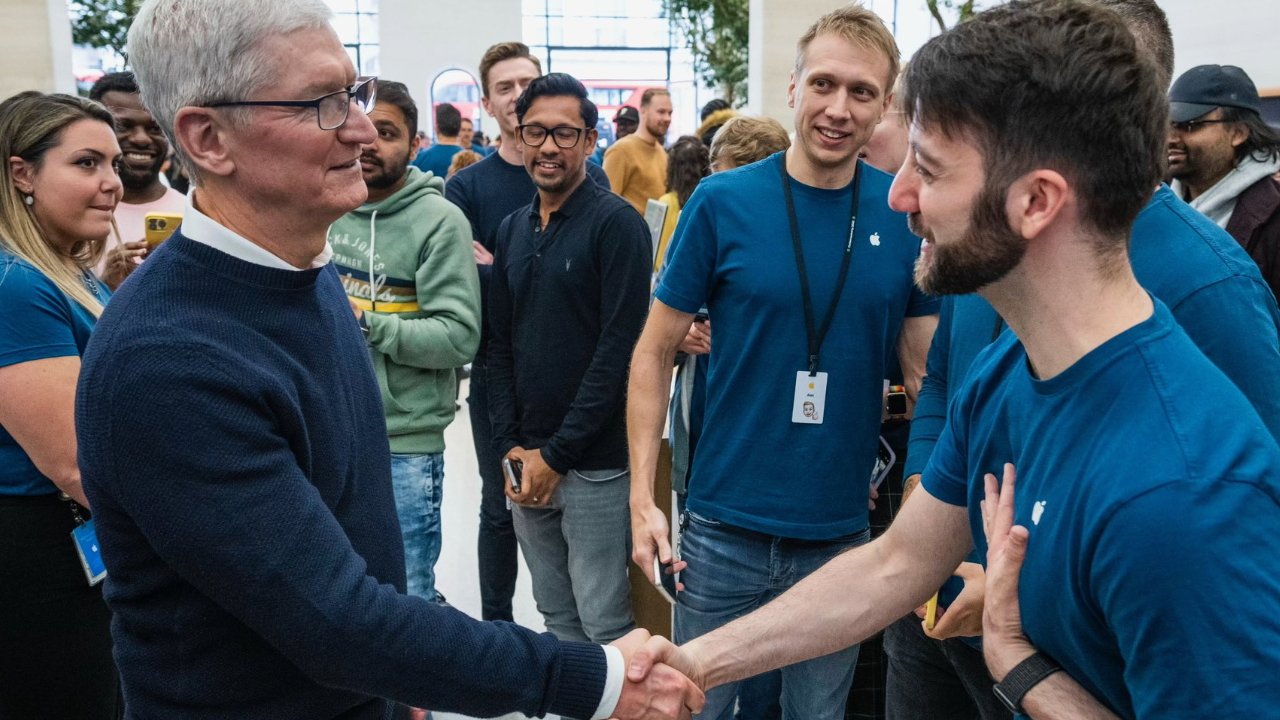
{"x":205,"y":230}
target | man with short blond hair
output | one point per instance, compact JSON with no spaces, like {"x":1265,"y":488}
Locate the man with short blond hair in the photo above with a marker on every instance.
{"x":637,"y":163}
{"x":813,"y":224}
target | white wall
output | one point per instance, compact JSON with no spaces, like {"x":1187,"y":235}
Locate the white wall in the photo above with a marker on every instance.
{"x":421,"y":38}
{"x":35,"y":47}
{"x":1227,"y":32}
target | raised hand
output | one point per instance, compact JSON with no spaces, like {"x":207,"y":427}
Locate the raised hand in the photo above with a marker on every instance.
{"x":1004,"y":644}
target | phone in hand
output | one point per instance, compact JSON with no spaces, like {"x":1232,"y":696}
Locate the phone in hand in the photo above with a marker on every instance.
{"x":159,"y":226}
{"x":665,"y":581}
{"x":512,"y":470}
{"x":931,"y":612}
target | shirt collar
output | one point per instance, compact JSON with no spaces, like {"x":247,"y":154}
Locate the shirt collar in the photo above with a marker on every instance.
{"x":584,"y":192}
{"x":201,"y":228}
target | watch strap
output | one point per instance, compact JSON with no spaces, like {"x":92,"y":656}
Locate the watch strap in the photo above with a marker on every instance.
{"x":1022,"y":678}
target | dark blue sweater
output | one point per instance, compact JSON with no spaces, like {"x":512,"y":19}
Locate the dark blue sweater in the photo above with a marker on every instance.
{"x":232,"y":443}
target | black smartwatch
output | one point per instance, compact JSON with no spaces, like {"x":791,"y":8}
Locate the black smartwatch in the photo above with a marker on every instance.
{"x":1021,"y":679}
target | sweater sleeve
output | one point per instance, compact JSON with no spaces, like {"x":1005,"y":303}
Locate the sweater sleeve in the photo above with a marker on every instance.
{"x":448,"y":289}
{"x":219,"y":496}
{"x":502,"y":385}
{"x":624,"y":248}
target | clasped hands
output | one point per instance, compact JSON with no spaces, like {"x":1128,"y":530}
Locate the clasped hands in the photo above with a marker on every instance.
{"x":658,"y":683}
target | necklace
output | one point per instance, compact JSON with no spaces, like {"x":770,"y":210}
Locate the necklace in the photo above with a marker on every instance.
{"x":91,"y":284}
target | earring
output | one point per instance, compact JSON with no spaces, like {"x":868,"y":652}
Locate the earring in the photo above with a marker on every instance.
{"x":29,"y":200}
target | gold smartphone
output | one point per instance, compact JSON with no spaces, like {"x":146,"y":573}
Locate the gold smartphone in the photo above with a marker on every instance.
{"x":159,"y":227}
{"x":931,"y":612}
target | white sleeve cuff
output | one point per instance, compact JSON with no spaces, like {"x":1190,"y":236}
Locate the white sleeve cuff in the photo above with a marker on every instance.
{"x":612,"y":683}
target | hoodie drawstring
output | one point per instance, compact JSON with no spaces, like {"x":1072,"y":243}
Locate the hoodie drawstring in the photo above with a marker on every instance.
{"x":373,"y":238}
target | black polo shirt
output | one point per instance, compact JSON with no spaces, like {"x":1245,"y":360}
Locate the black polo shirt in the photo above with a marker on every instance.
{"x":566,"y":306}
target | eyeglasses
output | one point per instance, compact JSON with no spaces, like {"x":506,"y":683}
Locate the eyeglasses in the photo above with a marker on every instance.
{"x":331,"y":110}
{"x":564,"y":136}
{"x":1191,"y":126}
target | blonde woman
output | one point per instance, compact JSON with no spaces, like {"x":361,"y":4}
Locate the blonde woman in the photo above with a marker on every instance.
{"x":58,"y":190}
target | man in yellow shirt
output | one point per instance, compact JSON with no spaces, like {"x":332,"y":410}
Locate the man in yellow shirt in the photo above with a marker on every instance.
{"x":637,"y":164}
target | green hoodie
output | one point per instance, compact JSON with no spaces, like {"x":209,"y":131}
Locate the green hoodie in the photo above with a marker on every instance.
{"x":407,"y":262}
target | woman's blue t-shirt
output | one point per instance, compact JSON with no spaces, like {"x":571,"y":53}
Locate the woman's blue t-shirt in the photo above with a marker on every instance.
{"x":37,"y":321}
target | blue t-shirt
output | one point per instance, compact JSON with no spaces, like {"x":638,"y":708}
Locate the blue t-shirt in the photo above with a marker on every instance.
{"x":1212,"y":287}
{"x":732,"y":252}
{"x":1151,"y":573}
{"x":436,"y":159}
{"x":38,"y":321}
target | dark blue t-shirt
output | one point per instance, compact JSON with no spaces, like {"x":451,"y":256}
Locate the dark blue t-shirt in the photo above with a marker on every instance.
{"x":1209,"y":283}
{"x":1151,"y":573}
{"x":38,"y":321}
{"x":732,"y":252}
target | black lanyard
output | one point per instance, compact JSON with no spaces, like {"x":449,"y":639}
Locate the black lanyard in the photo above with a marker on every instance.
{"x":817,"y":335}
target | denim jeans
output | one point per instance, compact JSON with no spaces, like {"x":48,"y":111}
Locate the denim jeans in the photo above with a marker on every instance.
{"x":938,"y":679}
{"x":732,"y":572}
{"x":578,"y":548}
{"x":418,"y":483}
{"x":496,"y":546}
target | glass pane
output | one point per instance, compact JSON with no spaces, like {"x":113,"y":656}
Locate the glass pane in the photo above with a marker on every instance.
{"x":345,"y":26}
{"x":368,"y":28}
{"x":342,"y":6}
{"x":370,"y":64}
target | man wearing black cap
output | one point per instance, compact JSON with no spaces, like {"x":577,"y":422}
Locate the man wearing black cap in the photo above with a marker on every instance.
{"x":625,"y":122}
{"x":1223,"y":158}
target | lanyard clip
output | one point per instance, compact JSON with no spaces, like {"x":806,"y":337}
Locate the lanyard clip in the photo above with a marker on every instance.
{"x":813,"y":365}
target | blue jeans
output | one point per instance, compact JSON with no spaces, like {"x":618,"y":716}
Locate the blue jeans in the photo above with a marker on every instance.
{"x":578,"y":549}
{"x":418,"y":483}
{"x":732,"y":572}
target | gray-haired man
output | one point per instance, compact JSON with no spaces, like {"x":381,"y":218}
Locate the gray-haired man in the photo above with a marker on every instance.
{"x":231,"y":433}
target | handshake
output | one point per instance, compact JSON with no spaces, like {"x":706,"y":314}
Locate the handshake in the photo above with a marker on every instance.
{"x":662,"y":680}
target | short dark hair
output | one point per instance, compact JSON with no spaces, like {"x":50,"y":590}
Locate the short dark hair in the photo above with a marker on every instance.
{"x":500,"y":52}
{"x":713,"y":105}
{"x":1049,"y":83}
{"x":1263,"y":143}
{"x":555,"y":85}
{"x":124,"y":82}
{"x":1150,"y":27}
{"x":448,"y":120}
{"x":687,"y":162}
{"x":395,"y":93}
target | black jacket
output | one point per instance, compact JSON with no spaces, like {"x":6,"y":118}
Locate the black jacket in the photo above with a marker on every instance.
{"x":1255,"y":224}
{"x":566,"y":306}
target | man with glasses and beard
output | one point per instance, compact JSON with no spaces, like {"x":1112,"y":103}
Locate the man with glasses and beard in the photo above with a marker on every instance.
{"x":230,"y":429}
{"x":567,"y":299}
{"x":145,"y":149}
{"x":405,"y":259}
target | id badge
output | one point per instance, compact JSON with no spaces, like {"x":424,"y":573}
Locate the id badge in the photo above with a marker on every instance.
{"x":810,"y":403}
{"x":85,"y":538}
